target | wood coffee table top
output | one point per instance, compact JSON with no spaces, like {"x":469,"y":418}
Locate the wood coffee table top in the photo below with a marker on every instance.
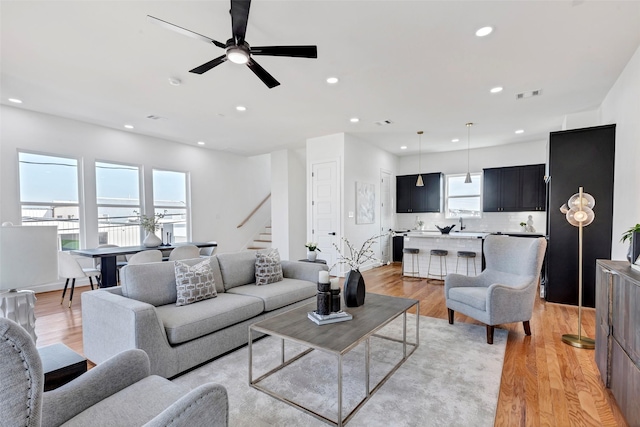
{"x":293,"y":325}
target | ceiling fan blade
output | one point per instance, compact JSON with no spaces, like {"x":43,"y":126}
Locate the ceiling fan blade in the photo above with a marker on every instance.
{"x":239,"y":17}
{"x":262,"y":74}
{"x":295,"y":51}
{"x":209,"y":65}
{"x":184,"y":31}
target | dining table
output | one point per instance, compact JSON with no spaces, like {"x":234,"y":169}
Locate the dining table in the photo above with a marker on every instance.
{"x":108,"y":257}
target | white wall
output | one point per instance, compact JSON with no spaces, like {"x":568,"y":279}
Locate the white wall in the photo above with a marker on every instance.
{"x":362,"y":163}
{"x":288,"y":203}
{"x":225,"y":188}
{"x":455,"y":162}
{"x":622,"y":106}
{"x":358,"y":161}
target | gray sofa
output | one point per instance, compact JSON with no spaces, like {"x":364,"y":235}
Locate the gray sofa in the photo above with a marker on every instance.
{"x":142,"y":312}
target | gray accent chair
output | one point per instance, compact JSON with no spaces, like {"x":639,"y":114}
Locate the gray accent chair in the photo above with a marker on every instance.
{"x":505,"y":291}
{"x":118,"y":392}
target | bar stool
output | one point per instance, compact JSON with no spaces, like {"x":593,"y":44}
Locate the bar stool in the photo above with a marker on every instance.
{"x":467,"y":255}
{"x":414,"y":258}
{"x":440,"y":253}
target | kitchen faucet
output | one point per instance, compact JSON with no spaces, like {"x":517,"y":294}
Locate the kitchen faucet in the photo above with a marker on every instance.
{"x":462,"y":227}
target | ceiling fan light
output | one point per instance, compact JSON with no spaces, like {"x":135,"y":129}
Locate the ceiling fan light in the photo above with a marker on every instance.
{"x":237,"y":55}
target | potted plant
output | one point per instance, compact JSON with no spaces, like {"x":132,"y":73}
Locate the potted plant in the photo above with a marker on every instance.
{"x":523,"y":226}
{"x":628,"y":235}
{"x":312,"y":247}
{"x":150,"y":224}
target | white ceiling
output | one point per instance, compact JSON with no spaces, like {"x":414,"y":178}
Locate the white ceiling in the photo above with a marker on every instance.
{"x":415,"y":63}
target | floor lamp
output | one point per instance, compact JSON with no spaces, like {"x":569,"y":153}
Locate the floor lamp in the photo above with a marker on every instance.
{"x":579,"y":213}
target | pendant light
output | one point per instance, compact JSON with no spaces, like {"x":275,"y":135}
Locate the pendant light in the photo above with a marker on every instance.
{"x":467,"y":180}
{"x":419,"y":182}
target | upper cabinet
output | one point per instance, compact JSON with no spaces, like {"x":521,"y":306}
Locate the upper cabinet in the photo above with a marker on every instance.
{"x":412,"y":199}
{"x":514,"y":189}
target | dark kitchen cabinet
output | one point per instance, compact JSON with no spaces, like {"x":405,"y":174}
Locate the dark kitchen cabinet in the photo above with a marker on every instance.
{"x":534,"y":190}
{"x":514,"y":189}
{"x":579,"y":158}
{"x":412,"y":199}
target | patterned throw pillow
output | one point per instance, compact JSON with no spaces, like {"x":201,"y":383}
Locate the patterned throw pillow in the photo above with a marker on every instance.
{"x":194,"y":283}
{"x":268,"y":267}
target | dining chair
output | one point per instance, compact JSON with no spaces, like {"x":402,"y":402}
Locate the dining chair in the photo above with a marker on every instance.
{"x":208,"y":251}
{"x":145,"y":257}
{"x":69,"y":268}
{"x":184,"y":252}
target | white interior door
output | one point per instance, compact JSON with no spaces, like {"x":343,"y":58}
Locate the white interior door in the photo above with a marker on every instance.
{"x":325,"y":212}
{"x":386,"y":217}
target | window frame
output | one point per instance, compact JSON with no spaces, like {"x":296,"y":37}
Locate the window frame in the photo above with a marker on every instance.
{"x":137,"y":207}
{"x":79,"y":205}
{"x":474,"y":176}
{"x":160,"y":207}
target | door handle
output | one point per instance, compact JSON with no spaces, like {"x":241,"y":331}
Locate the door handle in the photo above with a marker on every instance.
{"x":333,"y":233}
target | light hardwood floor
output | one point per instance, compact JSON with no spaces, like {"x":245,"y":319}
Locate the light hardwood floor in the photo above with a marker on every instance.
{"x":544,"y":381}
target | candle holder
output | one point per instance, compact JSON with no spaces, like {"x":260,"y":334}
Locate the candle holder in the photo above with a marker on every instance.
{"x":323,"y":306}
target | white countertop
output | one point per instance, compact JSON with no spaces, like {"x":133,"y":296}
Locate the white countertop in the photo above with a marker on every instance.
{"x":452,"y":235}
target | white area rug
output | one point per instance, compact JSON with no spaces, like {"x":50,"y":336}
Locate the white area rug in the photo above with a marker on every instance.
{"x":452,"y":379}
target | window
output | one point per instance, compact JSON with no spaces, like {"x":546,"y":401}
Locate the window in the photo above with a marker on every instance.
{"x":170,"y":194}
{"x":49,"y":195}
{"x":463,"y":200}
{"x":118,"y":195}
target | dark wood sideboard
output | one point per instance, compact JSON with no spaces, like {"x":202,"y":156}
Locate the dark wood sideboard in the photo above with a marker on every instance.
{"x":618,"y":334}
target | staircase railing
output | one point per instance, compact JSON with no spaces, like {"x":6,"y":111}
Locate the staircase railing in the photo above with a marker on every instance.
{"x":254,"y":211}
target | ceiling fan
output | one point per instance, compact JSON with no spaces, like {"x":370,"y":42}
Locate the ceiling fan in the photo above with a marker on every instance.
{"x":237,"y":50}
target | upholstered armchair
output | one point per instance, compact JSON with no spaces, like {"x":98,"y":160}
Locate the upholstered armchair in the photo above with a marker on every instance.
{"x":506,"y":290}
{"x":118,"y":392}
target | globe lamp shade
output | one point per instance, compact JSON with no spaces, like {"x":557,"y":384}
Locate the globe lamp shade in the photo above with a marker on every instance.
{"x":577,"y":216}
{"x":586,"y":201}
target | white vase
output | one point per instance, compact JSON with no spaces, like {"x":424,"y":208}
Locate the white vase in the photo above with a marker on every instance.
{"x":152,"y":241}
{"x":312,"y":255}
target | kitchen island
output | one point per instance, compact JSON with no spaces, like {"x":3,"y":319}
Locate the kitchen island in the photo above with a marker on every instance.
{"x":453,"y":242}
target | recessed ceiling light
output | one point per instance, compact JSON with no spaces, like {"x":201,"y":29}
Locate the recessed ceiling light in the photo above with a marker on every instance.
{"x":15,"y":100}
{"x":455,"y":140}
{"x":200,"y":142}
{"x":332,"y":80}
{"x":128,"y":126}
{"x":520,"y":131}
{"x":496,"y":89}
{"x":174,"y":81}
{"x":404,"y":147}
{"x":241,"y":108}
{"x":354,"y":120}
{"x":484,"y":31}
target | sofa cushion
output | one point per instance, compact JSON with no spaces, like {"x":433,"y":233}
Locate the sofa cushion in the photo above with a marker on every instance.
{"x":186,"y":323}
{"x":278,"y":294}
{"x":473,"y":296}
{"x":237,"y":268}
{"x":158,"y":394}
{"x":194,"y":282}
{"x":155,"y":282}
{"x":268,"y":267}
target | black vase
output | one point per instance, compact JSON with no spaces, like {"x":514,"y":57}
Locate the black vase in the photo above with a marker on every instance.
{"x":354,"y":289}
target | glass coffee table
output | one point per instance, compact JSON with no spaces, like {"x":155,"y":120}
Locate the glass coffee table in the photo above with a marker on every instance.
{"x":337,"y":339}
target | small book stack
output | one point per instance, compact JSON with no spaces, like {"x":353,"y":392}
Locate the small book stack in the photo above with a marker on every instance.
{"x":325,"y":319}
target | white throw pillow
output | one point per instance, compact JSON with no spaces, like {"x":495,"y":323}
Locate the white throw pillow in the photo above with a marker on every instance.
{"x":194,"y":283}
{"x":268,"y":267}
